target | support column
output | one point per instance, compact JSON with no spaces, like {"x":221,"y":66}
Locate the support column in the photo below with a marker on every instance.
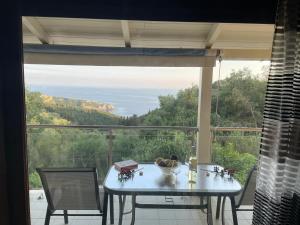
{"x":204,"y":111}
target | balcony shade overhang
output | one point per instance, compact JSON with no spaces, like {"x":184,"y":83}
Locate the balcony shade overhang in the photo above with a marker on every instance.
{"x":74,"y":41}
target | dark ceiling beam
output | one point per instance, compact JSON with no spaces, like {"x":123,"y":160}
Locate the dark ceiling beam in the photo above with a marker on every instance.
{"x":118,"y":56}
{"x":113,"y":51}
{"x":230,"y":11}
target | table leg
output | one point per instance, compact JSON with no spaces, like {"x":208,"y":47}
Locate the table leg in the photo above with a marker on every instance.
{"x":104,"y":216}
{"x":218,"y":207}
{"x":233,"y":209}
{"x":133,"y":209}
{"x":223,"y":210}
{"x":111,"y":208}
{"x":122,"y":200}
{"x":209,"y":212}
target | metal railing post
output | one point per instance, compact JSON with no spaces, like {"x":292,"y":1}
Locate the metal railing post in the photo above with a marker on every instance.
{"x":110,"y":137}
{"x":212,"y":137}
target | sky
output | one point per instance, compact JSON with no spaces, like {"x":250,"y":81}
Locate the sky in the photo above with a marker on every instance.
{"x":128,"y":77}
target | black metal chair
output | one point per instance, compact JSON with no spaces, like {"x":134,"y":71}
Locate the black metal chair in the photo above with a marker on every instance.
{"x":73,"y":189}
{"x":246,"y":197}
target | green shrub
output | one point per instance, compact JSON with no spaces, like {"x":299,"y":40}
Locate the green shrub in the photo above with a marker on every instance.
{"x":228,"y":157}
{"x":34,"y":180}
{"x":147,"y":146}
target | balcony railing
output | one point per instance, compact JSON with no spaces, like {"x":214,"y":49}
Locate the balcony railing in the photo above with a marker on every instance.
{"x":101,"y":145}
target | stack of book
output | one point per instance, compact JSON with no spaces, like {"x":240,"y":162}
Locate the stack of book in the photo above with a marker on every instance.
{"x":126,"y":166}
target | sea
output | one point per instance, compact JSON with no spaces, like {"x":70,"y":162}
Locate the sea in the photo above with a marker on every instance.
{"x":126,"y":101}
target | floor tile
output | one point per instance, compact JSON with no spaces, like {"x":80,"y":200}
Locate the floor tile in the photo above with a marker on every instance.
{"x":38,"y":207}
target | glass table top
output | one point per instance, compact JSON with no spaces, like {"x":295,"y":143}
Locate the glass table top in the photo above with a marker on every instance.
{"x":154,"y":181}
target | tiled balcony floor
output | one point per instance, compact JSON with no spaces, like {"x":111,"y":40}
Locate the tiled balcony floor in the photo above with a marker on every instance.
{"x":143,"y":216}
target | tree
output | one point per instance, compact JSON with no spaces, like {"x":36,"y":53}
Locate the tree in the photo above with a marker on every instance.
{"x":175,"y":111}
{"x":240,"y":97}
{"x":241,"y":100}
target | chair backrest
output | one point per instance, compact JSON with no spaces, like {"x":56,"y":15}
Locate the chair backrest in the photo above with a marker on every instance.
{"x":71,"y":188}
{"x":247,"y":195}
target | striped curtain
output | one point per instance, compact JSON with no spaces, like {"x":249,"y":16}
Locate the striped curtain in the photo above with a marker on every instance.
{"x":277,"y":198}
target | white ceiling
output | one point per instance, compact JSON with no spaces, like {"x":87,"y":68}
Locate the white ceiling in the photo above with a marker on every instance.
{"x":238,"y":41}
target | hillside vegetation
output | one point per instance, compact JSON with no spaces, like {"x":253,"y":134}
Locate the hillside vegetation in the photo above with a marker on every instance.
{"x":240,"y":103}
{"x":44,"y":109}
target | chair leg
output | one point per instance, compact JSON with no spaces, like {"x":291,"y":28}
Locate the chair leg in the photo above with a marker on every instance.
{"x":104,"y":216}
{"x":218,"y":207}
{"x":223,"y":210}
{"x":202,"y":203}
{"x":66,"y":216}
{"x":111,"y":208}
{"x":48,"y":214}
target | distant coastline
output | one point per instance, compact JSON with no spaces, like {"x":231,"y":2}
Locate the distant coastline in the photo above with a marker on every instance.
{"x":125,"y":101}
{"x":86,"y":105}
